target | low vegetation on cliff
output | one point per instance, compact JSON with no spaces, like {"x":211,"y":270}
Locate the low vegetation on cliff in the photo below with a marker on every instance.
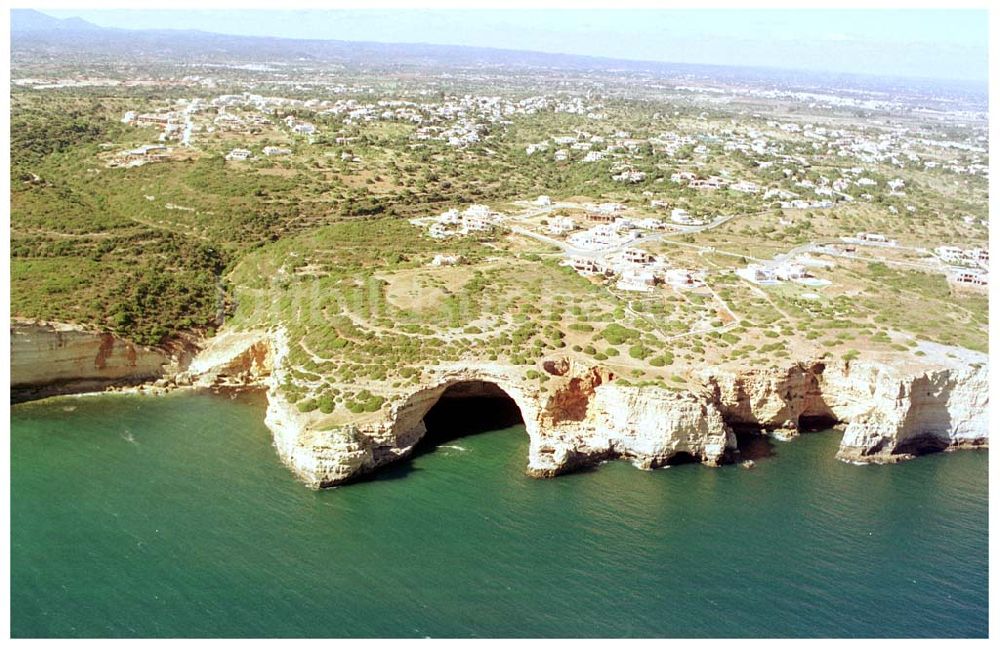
{"x":307,"y":206}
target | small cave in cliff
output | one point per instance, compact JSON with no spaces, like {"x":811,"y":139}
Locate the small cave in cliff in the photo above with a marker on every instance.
{"x":927,"y":443}
{"x":468,"y":408}
{"x":753,"y":444}
{"x":815,"y":423}
{"x":681,"y":458}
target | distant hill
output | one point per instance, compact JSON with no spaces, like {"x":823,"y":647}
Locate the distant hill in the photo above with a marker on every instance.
{"x":29,"y":20}
{"x":33,"y":31}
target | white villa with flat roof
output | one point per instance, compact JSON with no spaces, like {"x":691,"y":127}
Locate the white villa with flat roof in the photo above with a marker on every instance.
{"x":683,"y":278}
{"x":239,"y":154}
{"x":561,"y":225}
{"x":637,"y":256}
{"x":758,"y":274}
{"x":586,"y":266}
{"x":636,"y":279}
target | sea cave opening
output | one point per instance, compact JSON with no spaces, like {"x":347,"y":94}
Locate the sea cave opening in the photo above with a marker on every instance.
{"x":817,"y":423}
{"x":466,"y":409}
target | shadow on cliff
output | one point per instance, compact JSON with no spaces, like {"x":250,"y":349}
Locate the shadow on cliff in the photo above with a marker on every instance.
{"x":451,"y":420}
{"x":753,"y":445}
{"x":459,"y":417}
{"x":755,"y":442}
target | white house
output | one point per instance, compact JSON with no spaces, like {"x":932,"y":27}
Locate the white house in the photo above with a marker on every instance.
{"x":757,"y":274}
{"x":950,"y":254}
{"x":239,"y":154}
{"x":746,"y":187}
{"x":711,"y":183}
{"x":609,"y":208}
{"x":438,"y":231}
{"x":630,"y":177}
{"x":585,"y":265}
{"x":451,"y":217}
{"x":650,"y":223}
{"x":561,"y":225}
{"x":446,"y":260}
{"x":637,"y":256}
{"x":682,"y":217}
{"x":875,"y":238}
{"x":790,"y":271}
{"x":682,"y":278}
{"x":970,"y":277}
{"x":636,"y":279}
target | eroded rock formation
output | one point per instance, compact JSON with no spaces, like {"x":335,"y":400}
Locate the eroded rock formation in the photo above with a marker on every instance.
{"x":893,"y":406}
{"x":55,"y":358}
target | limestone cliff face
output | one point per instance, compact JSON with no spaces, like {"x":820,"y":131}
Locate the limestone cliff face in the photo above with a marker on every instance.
{"x":54,"y":358}
{"x":234,"y":358}
{"x":580,"y":416}
{"x":770,"y":399}
{"x":649,"y":426}
{"x":896,"y":411}
{"x":567,"y":426}
{"x":894,"y":406}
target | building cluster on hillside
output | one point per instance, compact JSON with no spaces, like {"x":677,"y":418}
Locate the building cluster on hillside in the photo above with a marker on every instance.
{"x":870,"y":239}
{"x":635,"y":269}
{"x":604,"y":235}
{"x":964,"y":256}
{"x":776,"y":154}
{"x":784,"y":269}
{"x":148,"y":153}
{"x":682,"y":217}
{"x":968,"y":266}
{"x":475,"y":218}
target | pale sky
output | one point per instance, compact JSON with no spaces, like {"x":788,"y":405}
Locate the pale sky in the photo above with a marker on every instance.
{"x":944,"y":44}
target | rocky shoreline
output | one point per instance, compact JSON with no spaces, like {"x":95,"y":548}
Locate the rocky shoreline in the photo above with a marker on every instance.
{"x":891,"y":406}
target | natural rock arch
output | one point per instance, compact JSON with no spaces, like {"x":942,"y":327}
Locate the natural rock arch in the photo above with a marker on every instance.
{"x":468,"y":408}
{"x":893,"y":408}
{"x":408,"y":418}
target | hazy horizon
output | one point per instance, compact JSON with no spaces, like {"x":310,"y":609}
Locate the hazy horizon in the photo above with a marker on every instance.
{"x":942,"y":44}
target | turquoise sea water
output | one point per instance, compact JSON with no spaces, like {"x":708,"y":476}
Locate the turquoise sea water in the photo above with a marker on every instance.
{"x":172,"y":516}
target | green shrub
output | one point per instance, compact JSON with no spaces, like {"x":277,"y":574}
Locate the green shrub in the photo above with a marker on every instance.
{"x":616,"y":334}
{"x":639,"y":352}
{"x":664,"y":359}
{"x":326,"y":403}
